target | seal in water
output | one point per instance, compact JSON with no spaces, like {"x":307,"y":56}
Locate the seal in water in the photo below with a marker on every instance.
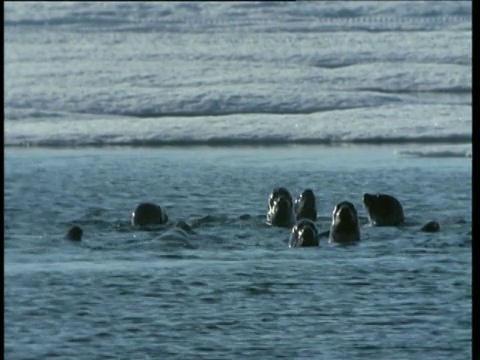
{"x":182,"y":225}
{"x":148,"y":214}
{"x":345,"y":226}
{"x":304,"y":233}
{"x":75,"y":233}
{"x":305,"y":207}
{"x":280,"y":208}
{"x":383,"y":210}
{"x":431,"y":226}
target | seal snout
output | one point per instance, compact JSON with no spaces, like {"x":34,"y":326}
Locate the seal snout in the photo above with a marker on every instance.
{"x":307,"y":235}
{"x":305,"y":205}
{"x":345,"y":214}
{"x":281,"y":211}
{"x":281,"y":203}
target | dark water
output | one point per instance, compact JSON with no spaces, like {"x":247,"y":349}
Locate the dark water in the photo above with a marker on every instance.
{"x":232,"y":289}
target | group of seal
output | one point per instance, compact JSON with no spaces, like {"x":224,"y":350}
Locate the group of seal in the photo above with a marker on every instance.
{"x":299,"y":215}
{"x":382,"y":210}
{"x":282,"y":211}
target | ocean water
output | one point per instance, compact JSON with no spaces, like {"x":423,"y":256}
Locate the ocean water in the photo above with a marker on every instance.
{"x":204,"y":108}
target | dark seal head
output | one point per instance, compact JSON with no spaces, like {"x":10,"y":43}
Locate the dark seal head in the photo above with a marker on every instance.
{"x":345,"y":226}
{"x":305,"y":206}
{"x":304,"y":233}
{"x":383,"y":210}
{"x":431,"y":226}
{"x":280,"y":208}
{"x":74,"y":234}
{"x":148,"y":214}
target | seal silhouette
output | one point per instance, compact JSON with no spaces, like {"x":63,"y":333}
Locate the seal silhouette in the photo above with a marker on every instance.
{"x":305,"y":206}
{"x":383,"y":210}
{"x":345,"y":225}
{"x":304,"y":233}
{"x":386,"y":210}
{"x":74,"y":233}
{"x":148,"y":214}
{"x":280,"y":208}
{"x":431,"y":226}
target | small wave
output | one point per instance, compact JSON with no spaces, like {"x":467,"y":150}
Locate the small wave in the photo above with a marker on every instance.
{"x":67,"y":21}
{"x":437,"y":153}
{"x":449,"y":90}
{"x":262,"y":16}
{"x":221,"y":112}
{"x":262,"y":141}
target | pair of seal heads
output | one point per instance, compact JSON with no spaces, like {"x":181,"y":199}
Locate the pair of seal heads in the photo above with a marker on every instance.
{"x":305,"y":206}
{"x":383,"y":210}
{"x":283,"y":212}
{"x":304,"y":233}
{"x":280,"y":208}
{"x":148,"y":214}
{"x":345,"y":225}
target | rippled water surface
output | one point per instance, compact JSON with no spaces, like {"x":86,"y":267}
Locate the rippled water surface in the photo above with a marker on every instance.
{"x":232,"y":289}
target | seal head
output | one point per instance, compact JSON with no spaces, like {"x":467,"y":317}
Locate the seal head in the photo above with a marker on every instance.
{"x":148,"y":214}
{"x":345,"y":226}
{"x":280,"y":208}
{"x":304,"y":233}
{"x":383,"y":210}
{"x":74,"y":234}
{"x":431,"y":226}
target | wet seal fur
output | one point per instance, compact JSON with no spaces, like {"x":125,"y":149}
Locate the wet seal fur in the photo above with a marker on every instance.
{"x":305,"y":206}
{"x":431,"y":226}
{"x":148,"y":214}
{"x":383,"y":210}
{"x":345,"y":225}
{"x":74,"y":233}
{"x":280,"y":208}
{"x":304,"y":233}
